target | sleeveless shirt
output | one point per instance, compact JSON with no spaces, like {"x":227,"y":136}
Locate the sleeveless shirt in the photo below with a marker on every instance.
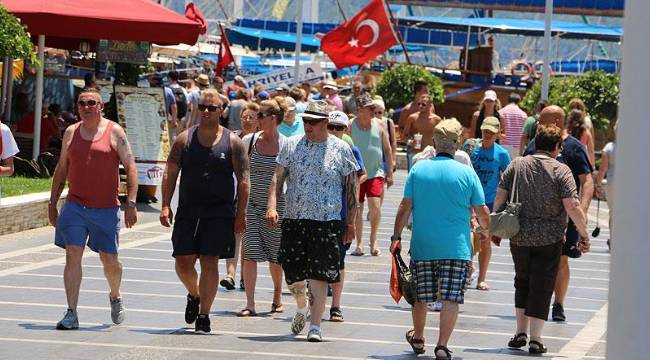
{"x":371,"y":146}
{"x":93,"y":170}
{"x":207,"y":188}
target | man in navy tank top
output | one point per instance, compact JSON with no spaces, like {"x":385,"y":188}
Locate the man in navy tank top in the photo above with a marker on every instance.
{"x":207,"y":216}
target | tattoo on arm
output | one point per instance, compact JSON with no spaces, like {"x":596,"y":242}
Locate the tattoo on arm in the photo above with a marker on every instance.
{"x":240,"y":165}
{"x":240,"y":160}
{"x":351,"y":191}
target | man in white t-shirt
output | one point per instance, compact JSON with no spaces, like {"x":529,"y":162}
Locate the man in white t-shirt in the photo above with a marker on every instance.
{"x":8,"y":149}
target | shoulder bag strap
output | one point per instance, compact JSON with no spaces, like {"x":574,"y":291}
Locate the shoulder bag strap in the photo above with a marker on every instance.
{"x":250,"y":145}
{"x":514,"y":192}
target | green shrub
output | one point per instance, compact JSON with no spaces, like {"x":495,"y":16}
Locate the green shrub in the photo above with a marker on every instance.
{"x":396,"y":85}
{"x":14,"y":40}
{"x":597,"y":89}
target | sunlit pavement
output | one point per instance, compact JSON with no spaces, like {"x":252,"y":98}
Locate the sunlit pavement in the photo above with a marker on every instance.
{"x":32,"y":300}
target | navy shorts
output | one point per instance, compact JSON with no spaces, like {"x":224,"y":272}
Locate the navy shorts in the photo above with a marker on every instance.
{"x":570,"y":248}
{"x":99,"y":227}
{"x":343,"y":248}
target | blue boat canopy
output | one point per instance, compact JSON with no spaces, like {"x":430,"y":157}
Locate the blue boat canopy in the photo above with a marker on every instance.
{"x":574,"y":7}
{"x":281,"y":35}
{"x":566,"y":30}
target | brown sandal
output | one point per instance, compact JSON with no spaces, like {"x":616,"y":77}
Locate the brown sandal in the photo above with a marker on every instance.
{"x":413,"y":341}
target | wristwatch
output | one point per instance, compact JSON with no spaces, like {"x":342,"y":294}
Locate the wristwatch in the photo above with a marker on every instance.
{"x":393,"y":238}
{"x":131,"y":203}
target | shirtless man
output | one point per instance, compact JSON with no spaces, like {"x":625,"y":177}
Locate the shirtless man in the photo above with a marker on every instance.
{"x":419,"y":88}
{"x":422,"y":122}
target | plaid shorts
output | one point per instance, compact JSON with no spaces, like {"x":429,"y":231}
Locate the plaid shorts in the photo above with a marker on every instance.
{"x":440,"y":280}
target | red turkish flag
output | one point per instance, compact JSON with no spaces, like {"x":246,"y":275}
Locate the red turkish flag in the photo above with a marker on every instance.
{"x":363,"y":37}
{"x":225,"y":56}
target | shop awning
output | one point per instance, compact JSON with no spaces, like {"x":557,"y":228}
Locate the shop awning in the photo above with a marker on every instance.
{"x":65,"y":23}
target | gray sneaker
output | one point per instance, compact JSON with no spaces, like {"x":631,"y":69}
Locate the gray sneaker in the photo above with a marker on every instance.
{"x":117,"y":310}
{"x":70,"y":321}
{"x":314,"y":335}
{"x":298,"y":323}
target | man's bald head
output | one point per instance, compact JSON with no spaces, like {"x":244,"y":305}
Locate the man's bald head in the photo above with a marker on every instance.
{"x":552,"y":115}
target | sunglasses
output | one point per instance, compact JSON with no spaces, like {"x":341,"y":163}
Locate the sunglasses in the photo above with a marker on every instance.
{"x":210,"y":108}
{"x":312,"y":122}
{"x":262,"y":115}
{"x":422,"y":104}
{"x":333,"y":127}
{"x":89,"y":103}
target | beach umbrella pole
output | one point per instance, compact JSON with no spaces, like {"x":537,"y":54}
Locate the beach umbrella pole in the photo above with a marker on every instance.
{"x":38,"y":101}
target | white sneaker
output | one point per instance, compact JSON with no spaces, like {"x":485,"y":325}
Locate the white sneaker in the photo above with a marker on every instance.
{"x":435,"y":306}
{"x":314,"y":335}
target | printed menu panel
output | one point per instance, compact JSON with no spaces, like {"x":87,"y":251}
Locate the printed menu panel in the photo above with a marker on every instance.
{"x":142,"y":113}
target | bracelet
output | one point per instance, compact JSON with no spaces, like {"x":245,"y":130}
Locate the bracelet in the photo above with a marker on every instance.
{"x":393,"y":238}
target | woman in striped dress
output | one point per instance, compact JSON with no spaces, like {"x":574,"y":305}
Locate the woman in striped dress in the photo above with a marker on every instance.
{"x":261,"y":242}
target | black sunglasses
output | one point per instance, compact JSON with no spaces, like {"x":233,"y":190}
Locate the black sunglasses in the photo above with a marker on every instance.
{"x":312,"y":121}
{"x":336,"y":127}
{"x":422,"y":104}
{"x":262,"y":115}
{"x":211,"y":108}
{"x":90,"y":103}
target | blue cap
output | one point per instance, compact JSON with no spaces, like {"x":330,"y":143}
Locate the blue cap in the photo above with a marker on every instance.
{"x":263,"y":95}
{"x":232,"y":95}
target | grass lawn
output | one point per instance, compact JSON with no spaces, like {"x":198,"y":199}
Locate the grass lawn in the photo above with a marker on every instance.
{"x":16,"y":185}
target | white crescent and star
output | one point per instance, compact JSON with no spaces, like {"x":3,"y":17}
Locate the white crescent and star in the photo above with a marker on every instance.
{"x":372,"y":24}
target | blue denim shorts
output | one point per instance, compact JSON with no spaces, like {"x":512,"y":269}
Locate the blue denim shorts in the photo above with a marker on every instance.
{"x":99,"y":227}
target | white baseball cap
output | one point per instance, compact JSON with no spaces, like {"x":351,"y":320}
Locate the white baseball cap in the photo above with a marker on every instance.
{"x":490,"y":95}
{"x":338,"y":118}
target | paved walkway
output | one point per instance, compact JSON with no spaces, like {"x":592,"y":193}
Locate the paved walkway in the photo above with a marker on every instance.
{"x":32,"y":300}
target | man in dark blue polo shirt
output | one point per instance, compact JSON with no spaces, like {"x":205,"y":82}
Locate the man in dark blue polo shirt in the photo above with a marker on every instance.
{"x":575,"y":156}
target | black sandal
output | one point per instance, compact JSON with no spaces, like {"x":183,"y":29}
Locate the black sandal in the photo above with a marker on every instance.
{"x":228,"y":283}
{"x":445,"y":349}
{"x":536,"y":347}
{"x":413,"y":341}
{"x":518,"y":341}
{"x":336,"y":315}
{"x":277,"y":308}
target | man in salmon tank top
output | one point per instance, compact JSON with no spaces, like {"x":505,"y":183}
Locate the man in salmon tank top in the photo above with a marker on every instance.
{"x":91,"y":153}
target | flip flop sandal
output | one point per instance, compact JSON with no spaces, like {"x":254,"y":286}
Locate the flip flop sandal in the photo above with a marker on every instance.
{"x":247,"y":313}
{"x":413,"y":342}
{"x":375,"y":252}
{"x":445,"y":349}
{"x":483,"y":286}
{"x":357,"y":252}
{"x":336,"y":315}
{"x":277,"y":308}
{"x":518,"y":341}
{"x":536,"y":347}
{"x":228,"y":283}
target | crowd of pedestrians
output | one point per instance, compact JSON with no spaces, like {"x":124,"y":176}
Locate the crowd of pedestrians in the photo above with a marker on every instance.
{"x":283,"y":176}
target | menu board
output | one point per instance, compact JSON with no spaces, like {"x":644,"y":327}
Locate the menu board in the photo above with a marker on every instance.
{"x":142,"y":112}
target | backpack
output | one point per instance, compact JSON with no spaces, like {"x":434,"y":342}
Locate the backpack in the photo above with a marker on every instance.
{"x":181,"y":101}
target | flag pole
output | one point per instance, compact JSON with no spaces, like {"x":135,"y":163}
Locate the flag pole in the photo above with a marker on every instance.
{"x":396,"y":30}
{"x":296,"y":69}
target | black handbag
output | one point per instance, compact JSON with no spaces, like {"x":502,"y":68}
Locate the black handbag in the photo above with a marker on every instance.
{"x":406,"y":279}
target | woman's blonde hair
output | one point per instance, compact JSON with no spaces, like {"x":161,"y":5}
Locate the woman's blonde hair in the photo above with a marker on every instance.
{"x":278,"y":107}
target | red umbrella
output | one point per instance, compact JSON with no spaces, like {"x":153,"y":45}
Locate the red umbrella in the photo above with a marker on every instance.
{"x":65,"y":23}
